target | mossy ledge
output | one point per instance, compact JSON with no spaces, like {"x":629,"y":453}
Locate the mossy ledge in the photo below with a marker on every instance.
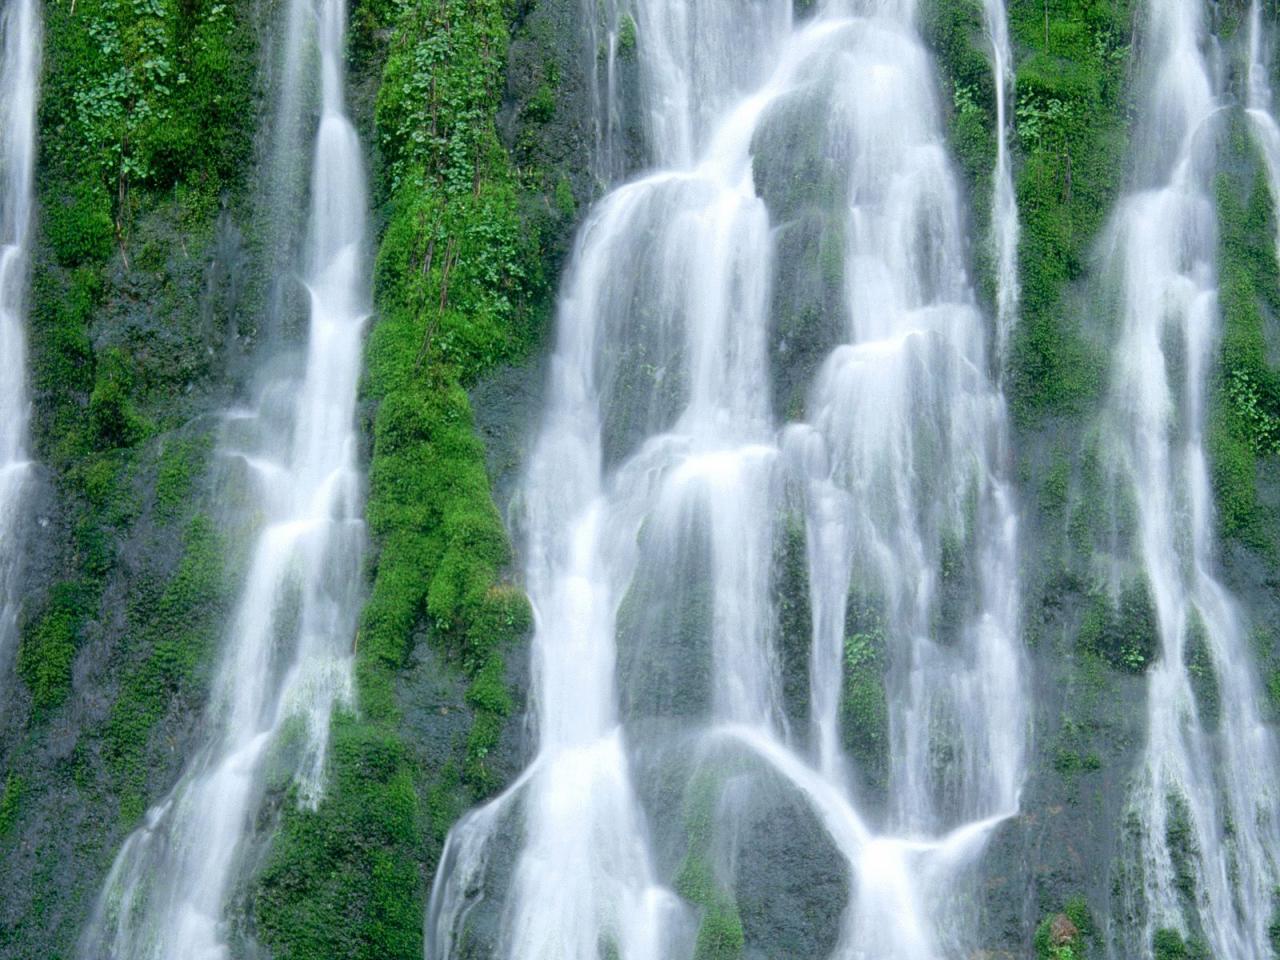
{"x":458,"y":287}
{"x":1072,"y":132}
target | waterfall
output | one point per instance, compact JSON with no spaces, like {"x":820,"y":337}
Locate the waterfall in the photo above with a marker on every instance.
{"x":1004,"y":204}
{"x":19,"y":80}
{"x":1205,"y":800}
{"x":603,"y":27}
{"x":1266,"y":132}
{"x":656,"y":495}
{"x":287,"y":656}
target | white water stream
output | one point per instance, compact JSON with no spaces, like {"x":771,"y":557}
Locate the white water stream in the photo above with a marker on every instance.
{"x":1004,"y":203}
{"x":1266,"y":132}
{"x":658,"y":436}
{"x":288,"y":648}
{"x":19,"y":84}
{"x":1206,"y":799}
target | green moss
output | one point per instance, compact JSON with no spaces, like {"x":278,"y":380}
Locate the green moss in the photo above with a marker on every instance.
{"x":1204,"y":678}
{"x":1055,"y":489}
{"x":10,"y":799}
{"x":720,"y":934}
{"x":1124,"y":633}
{"x":139,"y":96}
{"x":955,"y":31}
{"x":565,"y":202}
{"x":542,"y":105}
{"x":457,"y":283}
{"x":864,"y":707}
{"x":1168,"y":944}
{"x":335,"y":881}
{"x":1070,"y":756}
{"x":1071,"y":124}
{"x":1244,"y":418}
{"x":49,"y":645}
{"x":627,"y":37}
{"x":1065,"y":935}
{"x":181,"y":462}
{"x":795,"y":618}
{"x":175,"y":624}
{"x":113,"y":419}
{"x":79,"y":226}
{"x":1181,"y":843}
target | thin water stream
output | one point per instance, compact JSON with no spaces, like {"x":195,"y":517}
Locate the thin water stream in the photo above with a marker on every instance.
{"x":286,"y":660}
{"x":19,"y":85}
{"x":1004,"y":202}
{"x":1205,"y":802}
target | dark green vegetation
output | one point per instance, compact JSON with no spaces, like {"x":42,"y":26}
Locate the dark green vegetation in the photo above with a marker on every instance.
{"x":864,"y":708}
{"x":1244,"y":426}
{"x":1122,"y":633}
{"x":460,"y":285}
{"x":720,"y":935}
{"x":1072,"y":58}
{"x":1065,"y":935}
{"x":146,"y":123}
{"x":145,"y":132}
{"x":148,"y":295}
{"x":1170,"y":945}
{"x":147,"y":301}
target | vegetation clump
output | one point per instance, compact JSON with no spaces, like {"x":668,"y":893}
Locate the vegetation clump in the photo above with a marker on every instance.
{"x":1063,"y":935}
{"x":1244,"y":415}
{"x":1169,"y":944}
{"x":720,"y":934}
{"x":1124,"y":632}
{"x":457,"y":275}
{"x":1071,"y":125}
{"x":864,"y":706}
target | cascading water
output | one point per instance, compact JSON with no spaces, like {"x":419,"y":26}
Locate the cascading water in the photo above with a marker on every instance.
{"x":1004,"y":203}
{"x":287,"y":659}
{"x":1266,"y":131}
{"x":1205,"y":802}
{"x":654,"y":502}
{"x":19,"y":79}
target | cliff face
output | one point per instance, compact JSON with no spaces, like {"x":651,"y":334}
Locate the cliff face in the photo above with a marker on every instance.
{"x":161,"y":291}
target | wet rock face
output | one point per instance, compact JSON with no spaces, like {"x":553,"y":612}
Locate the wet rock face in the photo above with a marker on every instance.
{"x":790,"y":882}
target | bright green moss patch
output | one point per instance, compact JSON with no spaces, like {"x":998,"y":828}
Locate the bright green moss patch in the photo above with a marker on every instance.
{"x":336,"y":879}
{"x":720,"y":934}
{"x":48,"y":647}
{"x":955,"y":31}
{"x":1168,"y":944}
{"x":456,"y":273}
{"x":182,"y":461}
{"x":1071,"y":134}
{"x":140,"y":95}
{"x":864,"y":706}
{"x":1244,"y":418}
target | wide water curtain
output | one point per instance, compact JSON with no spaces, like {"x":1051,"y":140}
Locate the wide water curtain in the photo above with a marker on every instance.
{"x":1206,"y":792}
{"x":19,"y":80}
{"x":777,"y":677}
{"x":287,"y":650}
